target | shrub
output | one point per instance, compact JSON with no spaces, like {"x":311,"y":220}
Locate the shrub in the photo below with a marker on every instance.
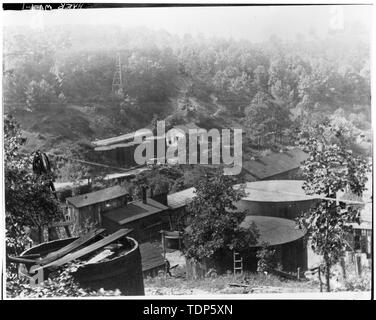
{"x":59,"y":284}
{"x":266,"y":259}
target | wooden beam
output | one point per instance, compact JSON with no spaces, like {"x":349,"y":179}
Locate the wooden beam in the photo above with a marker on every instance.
{"x":70,"y":247}
{"x":86,"y":250}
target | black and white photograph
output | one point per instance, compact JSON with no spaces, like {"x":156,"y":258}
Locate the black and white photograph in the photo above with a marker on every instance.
{"x":187,"y":150}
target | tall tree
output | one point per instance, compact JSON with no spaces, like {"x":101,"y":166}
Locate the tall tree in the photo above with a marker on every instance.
{"x":330,"y":168}
{"x":29,"y":202}
{"x":214,"y":220}
{"x":264,"y":116}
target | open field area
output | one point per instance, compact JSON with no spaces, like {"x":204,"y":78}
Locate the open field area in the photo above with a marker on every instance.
{"x":253,"y":284}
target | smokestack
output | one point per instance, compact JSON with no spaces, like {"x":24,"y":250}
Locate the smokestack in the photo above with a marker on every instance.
{"x":143,"y":188}
{"x":161,"y":197}
{"x":127,"y":199}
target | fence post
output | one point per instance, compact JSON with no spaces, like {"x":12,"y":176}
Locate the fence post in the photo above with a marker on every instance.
{"x":343,"y":265}
{"x":163,"y":244}
{"x":358,"y":265}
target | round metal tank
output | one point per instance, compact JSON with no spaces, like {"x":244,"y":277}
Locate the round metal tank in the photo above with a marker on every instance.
{"x":123,"y":272}
{"x":282,"y":235}
{"x":276,"y":198}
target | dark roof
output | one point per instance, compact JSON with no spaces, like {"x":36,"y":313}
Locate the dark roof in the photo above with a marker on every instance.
{"x":275,"y":163}
{"x":181,"y":198}
{"x":151,"y":256}
{"x":134,"y":210}
{"x":273,"y":231}
{"x":88,"y":199}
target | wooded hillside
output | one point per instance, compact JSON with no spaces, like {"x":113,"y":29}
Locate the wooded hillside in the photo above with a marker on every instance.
{"x":58,"y":84}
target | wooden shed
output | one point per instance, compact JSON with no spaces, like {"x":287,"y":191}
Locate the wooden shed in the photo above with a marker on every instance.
{"x":152,"y":259}
{"x":146,"y":217}
{"x":87,"y":208}
{"x":120,"y":148}
{"x":177,"y":203}
{"x":275,"y":166}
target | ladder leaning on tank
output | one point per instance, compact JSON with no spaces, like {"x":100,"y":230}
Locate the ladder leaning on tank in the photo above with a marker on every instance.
{"x":238,"y":263}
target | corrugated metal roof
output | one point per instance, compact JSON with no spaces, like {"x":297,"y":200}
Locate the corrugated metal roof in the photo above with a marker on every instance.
{"x":274,"y":231}
{"x":133,"y":172}
{"x":134,"y":210}
{"x":123,"y":138}
{"x":115,"y":146}
{"x":70,"y":184}
{"x":127,"y":139}
{"x":151,"y":256}
{"x":275,"y":163}
{"x":181,"y":198}
{"x":88,"y":199}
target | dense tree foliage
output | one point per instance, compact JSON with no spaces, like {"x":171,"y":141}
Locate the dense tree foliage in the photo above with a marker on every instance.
{"x":59,"y":284}
{"x":331,"y":168}
{"x":214,"y":220}
{"x":276,"y":79}
{"x":29,"y":202}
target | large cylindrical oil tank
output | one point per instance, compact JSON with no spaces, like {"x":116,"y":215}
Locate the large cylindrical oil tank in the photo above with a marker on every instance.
{"x":281,"y":235}
{"x":123,"y":272}
{"x":276,"y":198}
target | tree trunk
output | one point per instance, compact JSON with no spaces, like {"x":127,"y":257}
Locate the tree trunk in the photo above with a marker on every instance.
{"x":40,"y":234}
{"x":343,"y":266}
{"x":319,"y":274}
{"x":327,"y":276}
{"x":52,"y":234}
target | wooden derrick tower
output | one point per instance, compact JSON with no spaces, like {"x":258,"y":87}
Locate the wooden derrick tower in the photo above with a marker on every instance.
{"x":117,"y":82}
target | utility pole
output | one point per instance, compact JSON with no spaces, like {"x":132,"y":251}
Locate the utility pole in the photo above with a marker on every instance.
{"x":117,"y":82}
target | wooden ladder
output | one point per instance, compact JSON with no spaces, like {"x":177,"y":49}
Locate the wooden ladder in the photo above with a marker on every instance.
{"x":238,"y":263}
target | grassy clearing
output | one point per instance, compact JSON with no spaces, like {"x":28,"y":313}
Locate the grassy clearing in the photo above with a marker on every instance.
{"x":256,"y":283}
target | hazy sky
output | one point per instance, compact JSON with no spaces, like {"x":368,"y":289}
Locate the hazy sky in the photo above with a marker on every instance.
{"x":253,"y":23}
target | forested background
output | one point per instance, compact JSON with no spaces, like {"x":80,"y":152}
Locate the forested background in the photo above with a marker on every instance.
{"x":57,"y":83}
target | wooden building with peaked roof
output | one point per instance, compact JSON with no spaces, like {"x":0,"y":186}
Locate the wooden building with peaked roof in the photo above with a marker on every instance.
{"x":145,"y":217}
{"x":87,"y":208}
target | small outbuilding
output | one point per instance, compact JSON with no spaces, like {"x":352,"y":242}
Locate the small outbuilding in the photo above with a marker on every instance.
{"x":152,"y":259}
{"x":88,"y":207}
{"x":145,"y":217}
{"x":283,"y":165}
{"x":177,"y":202}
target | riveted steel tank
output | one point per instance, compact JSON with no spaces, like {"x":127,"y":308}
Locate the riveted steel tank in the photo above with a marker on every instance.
{"x":276,"y":198}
